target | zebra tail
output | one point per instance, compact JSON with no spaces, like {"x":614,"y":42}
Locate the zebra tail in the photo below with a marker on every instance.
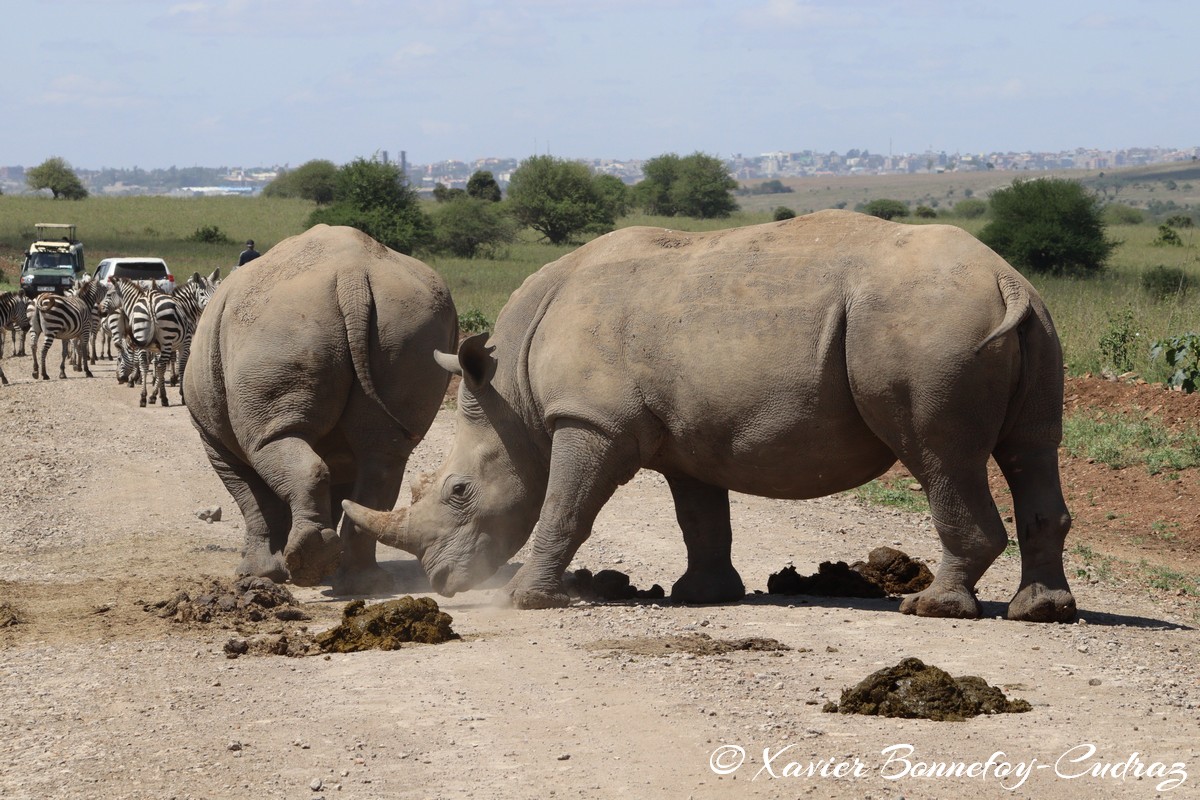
{"x":357,"y":304}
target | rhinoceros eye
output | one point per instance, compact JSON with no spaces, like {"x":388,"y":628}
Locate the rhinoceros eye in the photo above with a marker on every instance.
{"x":456,"y":490}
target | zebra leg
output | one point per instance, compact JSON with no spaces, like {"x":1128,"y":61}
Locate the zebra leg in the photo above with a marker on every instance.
{"x":144,"y":367}
{"x":85,"y":346}
{"x":33,"y":351}
{"x":301,"y":479}
{"x":160,"y":373}
{"x":182,"y":354}
{"x":62,"y":363}
{"x":266,"y":517}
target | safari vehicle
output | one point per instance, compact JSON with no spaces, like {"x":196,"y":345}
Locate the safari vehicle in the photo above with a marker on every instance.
{"x":53,"y":262}
{"x":136,"y":269}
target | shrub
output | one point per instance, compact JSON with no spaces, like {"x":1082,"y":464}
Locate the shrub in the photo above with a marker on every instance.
{"x":886,"y":209}
{"x":209,"y":234}
{"x":1048,"y":225}
{"x":783,"y":212}
{"x":1163,"y":282}
{"x":473,"y":321}
{"x":1180,"y":221}
{"x":970,"y":209}
{"x":1167,"y":237}
{"x":1116,"y":345}
{"x":925,"y":212}
{"x":1182,"y":354}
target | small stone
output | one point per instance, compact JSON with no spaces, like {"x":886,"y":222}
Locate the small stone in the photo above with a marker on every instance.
{"x":209,"y":514}
{"x":316,"y":784}
{"x":1093,"y":681}
{"x":234,"y":746}
{"x":564,"y":757}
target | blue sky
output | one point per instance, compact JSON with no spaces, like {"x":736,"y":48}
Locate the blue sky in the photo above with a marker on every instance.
{"x":124,"y":83}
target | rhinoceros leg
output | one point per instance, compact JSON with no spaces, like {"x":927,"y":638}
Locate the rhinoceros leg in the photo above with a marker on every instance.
{"x":301,"y":479}
{"x":1042,"y":525}
{"x":266,"y":517}
{"x":586,"y":467}
{"x":703,"y":514}
{"x":972,"y":536}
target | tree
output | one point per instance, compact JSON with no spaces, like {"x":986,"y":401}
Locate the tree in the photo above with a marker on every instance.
{"x":613,"y":193}
{"x":445,"y":194}
{"x":483,"y":186}
{"x":557,"y":198}
{"x":886,"y":209}
{"x":783,"y":212}
{"x":693,"y":186}
{"x":314,"y":180}
{"x":376,"y":198}
{"x":470,"y":226}
{"x":1048,"y":225}
{"x":56,"y":175}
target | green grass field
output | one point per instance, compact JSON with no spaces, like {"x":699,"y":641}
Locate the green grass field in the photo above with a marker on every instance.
{"x":1085,"y":310}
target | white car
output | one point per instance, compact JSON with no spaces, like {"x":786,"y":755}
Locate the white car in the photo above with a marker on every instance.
{"x":136,"y":269}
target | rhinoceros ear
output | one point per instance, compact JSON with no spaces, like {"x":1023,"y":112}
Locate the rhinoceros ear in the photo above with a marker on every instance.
{"x":474,"y":361}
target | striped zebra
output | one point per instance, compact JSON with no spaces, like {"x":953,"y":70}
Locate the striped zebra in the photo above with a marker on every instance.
{"x":18,"y":328}
{"x":63,"y":317}
{"x":154,"y":325}
{"x":192,"y":296}
{"x":13,"y":310}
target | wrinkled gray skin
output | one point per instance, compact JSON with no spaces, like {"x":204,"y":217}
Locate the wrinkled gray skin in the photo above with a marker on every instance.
{"x":792,"y":360}
{"x":310,"y":382}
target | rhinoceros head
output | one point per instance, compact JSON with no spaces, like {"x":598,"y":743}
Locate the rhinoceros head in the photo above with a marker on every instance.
{"x":471,"y":516}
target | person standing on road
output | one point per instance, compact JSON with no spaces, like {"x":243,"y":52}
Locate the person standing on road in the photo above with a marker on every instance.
{"x":249,"y":254}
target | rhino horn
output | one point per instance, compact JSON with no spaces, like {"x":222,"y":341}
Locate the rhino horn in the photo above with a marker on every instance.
{"x":388,"y":527}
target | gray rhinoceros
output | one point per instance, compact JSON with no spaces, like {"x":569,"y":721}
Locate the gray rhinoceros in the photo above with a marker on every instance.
{"x":310,"y":382}
{"x":790,"y":360}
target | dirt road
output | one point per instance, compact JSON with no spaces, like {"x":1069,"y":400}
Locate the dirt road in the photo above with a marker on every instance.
{"x":102,"y":698}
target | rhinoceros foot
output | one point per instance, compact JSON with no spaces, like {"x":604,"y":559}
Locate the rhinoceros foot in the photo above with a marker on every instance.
{"x":1037,"y":603}
{"x":264,"y":566}
{"x":535,"y":598}
{"x":713,"y":586}
{"x":311,"y":554}
{"x":941,"y":602}
{"x":368,"y":579}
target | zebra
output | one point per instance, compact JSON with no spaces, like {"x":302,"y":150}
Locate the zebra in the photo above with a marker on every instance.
{"x":63,"y":317}
{"x":154,"y":324}
{"x":192,"y":296}
{"x":13,"y":310}
{"x":18,"y":328}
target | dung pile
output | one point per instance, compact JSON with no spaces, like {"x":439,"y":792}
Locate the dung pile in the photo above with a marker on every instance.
{"x":886,"y":571}
{"x":607,"y":584}
{"x":387,"y":625}
{"x":698,"y":644}
{"x":914,"y":690}
{"x":247,"y":599}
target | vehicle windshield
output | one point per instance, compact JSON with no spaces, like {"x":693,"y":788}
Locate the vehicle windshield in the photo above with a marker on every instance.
{"x":63,"y":261}
{"x":140,"y":270}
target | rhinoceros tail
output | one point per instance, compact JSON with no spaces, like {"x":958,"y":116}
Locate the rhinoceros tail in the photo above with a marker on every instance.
{"x":1017,"y":306}
{"x":357,"y":304}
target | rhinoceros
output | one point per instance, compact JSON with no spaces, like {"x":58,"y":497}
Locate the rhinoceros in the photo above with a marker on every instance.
{"x":789,"y":360}
{"x":310,"y":381}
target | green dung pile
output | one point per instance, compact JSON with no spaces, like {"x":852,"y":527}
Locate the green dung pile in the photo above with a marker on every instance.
{"x":387,"y":626}
{"x":914,"y":690}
